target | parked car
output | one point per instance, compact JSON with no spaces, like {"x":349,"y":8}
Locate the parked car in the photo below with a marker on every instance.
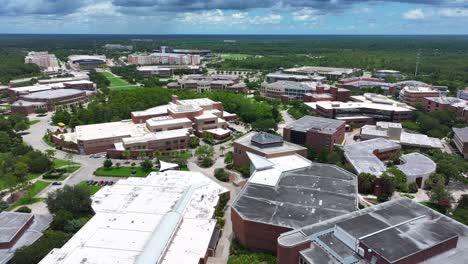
{"x":56,"y":183}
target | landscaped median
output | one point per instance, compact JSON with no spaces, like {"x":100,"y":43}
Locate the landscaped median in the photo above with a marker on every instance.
{"x":31,"y":191}
{"x":121,"y":172}
{"x":92,"y":188}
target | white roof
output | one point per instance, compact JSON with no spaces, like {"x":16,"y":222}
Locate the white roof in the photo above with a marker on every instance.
{"x":168,"y":213}
{"x":361,"y":155}
{"x":196,"y":102}
{"x":268,"y":171}
{"x":125,"y":128}
{"x":156,"y":136}
{"x":164,"y":166}
{"x":86,"y":57}
{"x":158,"y":110}
{"x":352,"y":105}
{"x":219,"y":131}
{"x":166,"y":120}
{"x":415,"y":164}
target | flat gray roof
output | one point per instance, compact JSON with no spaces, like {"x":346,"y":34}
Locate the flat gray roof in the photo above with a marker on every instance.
{"x":51,"y":94}
{"x":416,"y":227}
{"x":416,"y":164}
{"x":11,"y":223}
{"x":300,"y":197}
{"x":324,"y":125}
{"x":462,"y":133}
{"x":285,"y":147}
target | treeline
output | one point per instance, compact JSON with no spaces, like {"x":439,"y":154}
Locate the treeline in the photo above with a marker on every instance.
{"x":434,"y":124}
{"x":128,"y":73}
{"x":18,"y":160}
{"x":12,"y":66}
{"x":120,"y":104}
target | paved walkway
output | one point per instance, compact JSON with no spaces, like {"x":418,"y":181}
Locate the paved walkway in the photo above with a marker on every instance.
{"x":287,"y":119}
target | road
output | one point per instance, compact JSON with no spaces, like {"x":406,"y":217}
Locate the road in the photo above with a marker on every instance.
{"x":34,"y":138}
{"x":287,"y":119}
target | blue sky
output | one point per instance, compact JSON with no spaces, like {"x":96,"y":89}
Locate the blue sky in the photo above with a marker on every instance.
{"x":235,"y":17}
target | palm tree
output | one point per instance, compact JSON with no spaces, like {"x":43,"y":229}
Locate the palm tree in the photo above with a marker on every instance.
{"x":222,"y":149}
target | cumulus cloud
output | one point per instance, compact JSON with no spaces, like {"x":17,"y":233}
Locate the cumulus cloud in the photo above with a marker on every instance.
{"x":415,"y":14}
{"x":307,"y":14}
{"x":40,"y":7}
{"x":454,"y":12}
{"x":219,"y":17}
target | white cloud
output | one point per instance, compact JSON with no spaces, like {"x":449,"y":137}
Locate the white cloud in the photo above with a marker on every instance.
{"x":218,"y":17}
{"x":453,"y":12}
{"x":415,"y":14}
{"x":306,"y":14}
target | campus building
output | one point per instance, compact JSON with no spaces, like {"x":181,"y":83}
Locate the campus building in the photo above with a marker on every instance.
{"x":304,"y":91}
{"x":18,"y":230}
{"x":396,"y":133}
{"x":166,"y":217}
{"x":366,"y":109}
{"x":330,"y":73}
{"x":369,"y":156}
{"x":42,"y":59}
{"x":49,"y":100}
{"x":357,"y":83}
{"x":202,"y":83}
{"x":460,"y":138}
{"x":394,"y":232}
{"x":413,"y":95}
{"x":317,"y":133}
{"x":281,"y":76}
{"x":456,"y":105}
{"x":164,"y":58}
{"x":166,"y":127}
{"x":167,"y":71}
{"x":86,"y":61}
{"x":265,"y":145}
{"x":388,"y":73}
{"x":287,"y":193}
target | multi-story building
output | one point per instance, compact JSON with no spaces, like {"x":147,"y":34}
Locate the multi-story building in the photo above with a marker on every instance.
{"x":42,"y":59}
{"x":168,"y":70}
{"x":16,"y":92}
{"x":396,"y":133}
{"x":280,"y":76}
{"x":164,"y":218}
{"x":50,"y":100}
{"x":413,"y":95}
{"x":328,"y":72}
{"x":163,"y":128}
{"x":394,"y":232}
{"x":202,"y":83}
{"x":463,"y":94}
{"x":317,"y":133}
{"x":442,"y":103}
{"x":460,"y":138}
{"x":164,"y":58}
{"x":264,"y":145}
{"x":358,"y":83}
{"x":285,"y":194}
{"x":366,"y":109}
{"x":118,"y":47}
{"x":304,"y":91}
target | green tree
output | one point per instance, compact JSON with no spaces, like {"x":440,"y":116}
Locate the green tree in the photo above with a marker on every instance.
{"x":21,"y":170}
{"x":146,"y":165}
{"x":463,"y":202}
{"x":21,"y":126}
{"x":74,"y":199}
{"x":61,"y":219}
{"x":441,"y":196}
{"x":107,"y":164}
{"x":194,"y":142}
{"x":229,"y":157}
{"x":366,"y":183}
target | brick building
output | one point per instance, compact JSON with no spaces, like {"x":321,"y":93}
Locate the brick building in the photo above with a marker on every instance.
{"x":413,"y":95}
{"x":264,"y":145}
{"x":51,"y":100}
{"x":456,"y":105}
{"x":396,"y":232}
{"x":263,"y":210}
{"x":460,"y":138}
{"x":317,"y":133}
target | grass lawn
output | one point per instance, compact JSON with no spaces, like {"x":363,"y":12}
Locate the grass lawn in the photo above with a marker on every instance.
{"x":32,"y":122}
{"x":118,"y":83}
{"x":92,"y":188}
{"x":230,"y":56}
{"x":120,"y":172}
{"x":32,"y":191}
{"x":59,"y":163}
{"x":240,"y":255}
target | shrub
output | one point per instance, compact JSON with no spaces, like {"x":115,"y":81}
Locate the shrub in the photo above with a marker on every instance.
{"x":206,"y":162}
{"x":24,"y":209}
{"x":413,"y":187}
{"x":382,"y":198}
{"x":72,"y":226}
{"x":244,"y":170}
{"x":61,"y":219}
{"x":146,"y":165}
{"x":107,"y":163}
{"x":3,"y":205}
{"x":221,"y":175}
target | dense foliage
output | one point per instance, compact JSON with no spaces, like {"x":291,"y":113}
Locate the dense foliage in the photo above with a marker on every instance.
{"x":18,"y":160}
{"x":12,"y":66}
{"x":434,"y":124}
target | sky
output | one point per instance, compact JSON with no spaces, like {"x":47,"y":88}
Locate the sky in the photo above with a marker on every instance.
{"x":234,"y":16}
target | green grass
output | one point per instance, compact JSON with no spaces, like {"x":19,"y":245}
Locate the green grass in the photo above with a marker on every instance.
{"x":32,"y":122}
{"x":240,"y":255}
{"x":230,"y":56}
{"x":31,"y":191}
{"x":117,"y":83}
{"x":60,"y":163}
{"x":92,"y":188}
{"x":120,"y":172}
